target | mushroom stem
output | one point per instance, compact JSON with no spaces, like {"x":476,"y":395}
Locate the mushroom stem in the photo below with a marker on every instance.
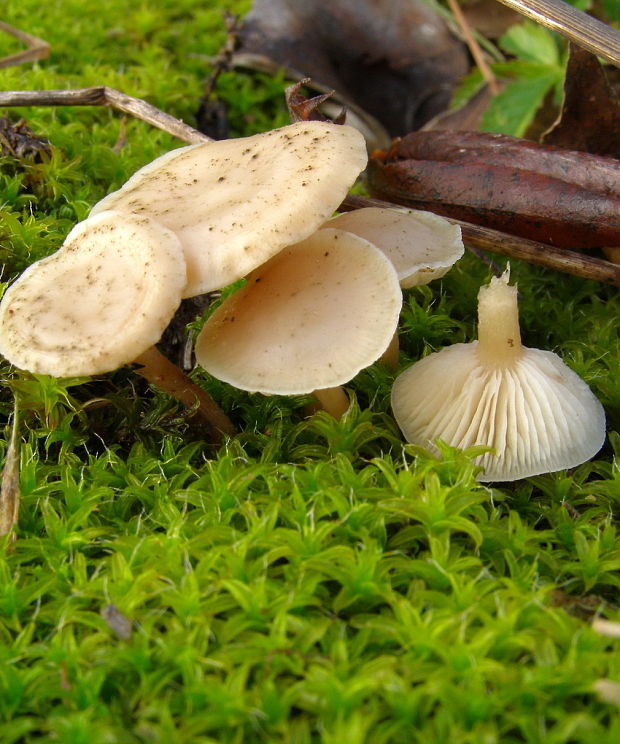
{"x":391,"y":355}
{"x":334,"y":400}
{"x":499,"y":335}
{"x":165,"y":375}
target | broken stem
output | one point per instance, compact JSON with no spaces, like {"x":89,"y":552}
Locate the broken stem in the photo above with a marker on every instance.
{"x":161,"y":372}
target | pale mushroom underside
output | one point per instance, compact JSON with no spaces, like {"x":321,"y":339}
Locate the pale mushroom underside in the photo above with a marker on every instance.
{"x":422,"y":246}
{"x":311,"y":317}
{"x":537,"y":414}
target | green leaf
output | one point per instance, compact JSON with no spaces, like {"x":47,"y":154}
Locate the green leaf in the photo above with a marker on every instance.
{"x":512,"y":111}
{"x":532,"y":43}
{"x":612,"y":10}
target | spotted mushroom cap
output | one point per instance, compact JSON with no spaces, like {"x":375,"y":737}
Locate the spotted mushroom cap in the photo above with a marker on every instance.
{"x":235,"y":203}
{"x":97,"y":303}
{"x":311,"y":317}
{"x":422,"y":246}
{"x":537,"y":414}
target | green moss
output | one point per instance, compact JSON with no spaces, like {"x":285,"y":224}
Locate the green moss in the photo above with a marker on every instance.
{"x":310,"y":580}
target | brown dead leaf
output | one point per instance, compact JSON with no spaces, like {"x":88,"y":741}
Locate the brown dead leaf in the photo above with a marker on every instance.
{"x":394,"y":59}
{"x":590,"y":116}
{"x":490,"y":18}
{"x":547,"y":194}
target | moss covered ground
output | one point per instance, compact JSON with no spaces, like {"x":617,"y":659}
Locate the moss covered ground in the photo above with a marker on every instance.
{"x":310,"y":580}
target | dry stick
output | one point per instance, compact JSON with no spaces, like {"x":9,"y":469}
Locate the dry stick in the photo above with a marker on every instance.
{"x":587,"y":32}
{"x":9,"y":486}
{"x":37,"y":48}
{"x":104,"y":96}
{"x":559,"y":259}
{"x":474,"y":47}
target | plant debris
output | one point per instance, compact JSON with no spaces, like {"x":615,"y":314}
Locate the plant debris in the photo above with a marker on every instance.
{"x":18,"y":141}
{"x":560,"y":197}
{"x":590,"y":117}
{"x":394,"y":60}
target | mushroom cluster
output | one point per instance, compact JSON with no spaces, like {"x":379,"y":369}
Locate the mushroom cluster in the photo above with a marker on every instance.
{"x":321,"y":298}
{"x":309,"y":319}
{"x":195,"y":219}
{"x":536,"y":414}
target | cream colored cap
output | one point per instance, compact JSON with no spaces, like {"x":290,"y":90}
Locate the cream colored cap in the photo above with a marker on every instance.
{"x":235,"y":203}
{"x":100,"y":301}
{"x":312,"y":317}
{"x":422,"y":246}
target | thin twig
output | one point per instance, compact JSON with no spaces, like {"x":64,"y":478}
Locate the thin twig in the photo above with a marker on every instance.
{"x":37,"y":48}
{"x":541,"y":254}
{"x":474,"y":47}
{"x":222,"y":62}
{"x":104,"y":96}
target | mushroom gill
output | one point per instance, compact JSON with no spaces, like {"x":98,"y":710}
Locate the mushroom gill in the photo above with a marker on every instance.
{"x":536,"y":414}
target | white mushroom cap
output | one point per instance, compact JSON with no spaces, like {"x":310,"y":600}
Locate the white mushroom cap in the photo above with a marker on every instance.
{"x":97,"y":303}
{"x":537,"y":414}
{"x":235,"y":203}
{"x":422,"y":246}
{"x":311,"y":317}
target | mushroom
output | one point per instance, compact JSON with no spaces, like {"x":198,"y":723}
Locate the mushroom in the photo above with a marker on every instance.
{"x":101,"y":301}
{"x":535,"y":412}
{"x":422,"y":246}
{"x":308,"y":320}
{"x":235,"y":203}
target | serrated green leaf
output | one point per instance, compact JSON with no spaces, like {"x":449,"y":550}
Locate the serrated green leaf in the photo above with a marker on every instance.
{"x":532,"y":43}
{"x":513,"y":110}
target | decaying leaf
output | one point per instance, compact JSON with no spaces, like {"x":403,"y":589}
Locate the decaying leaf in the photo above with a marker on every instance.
{"x":489,"y":17}
{"x":19,"y":141}
{"x":394,"y":61}
{"x":590,"y":116}
{"x":559,"y":197}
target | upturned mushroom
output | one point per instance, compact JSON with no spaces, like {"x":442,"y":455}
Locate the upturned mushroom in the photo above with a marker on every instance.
{"x":102,"y":301}
{"x":235,"y":203}
{"x":308,"y":320}
{"x":422,"y":246}
{"x":535,"y":412}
